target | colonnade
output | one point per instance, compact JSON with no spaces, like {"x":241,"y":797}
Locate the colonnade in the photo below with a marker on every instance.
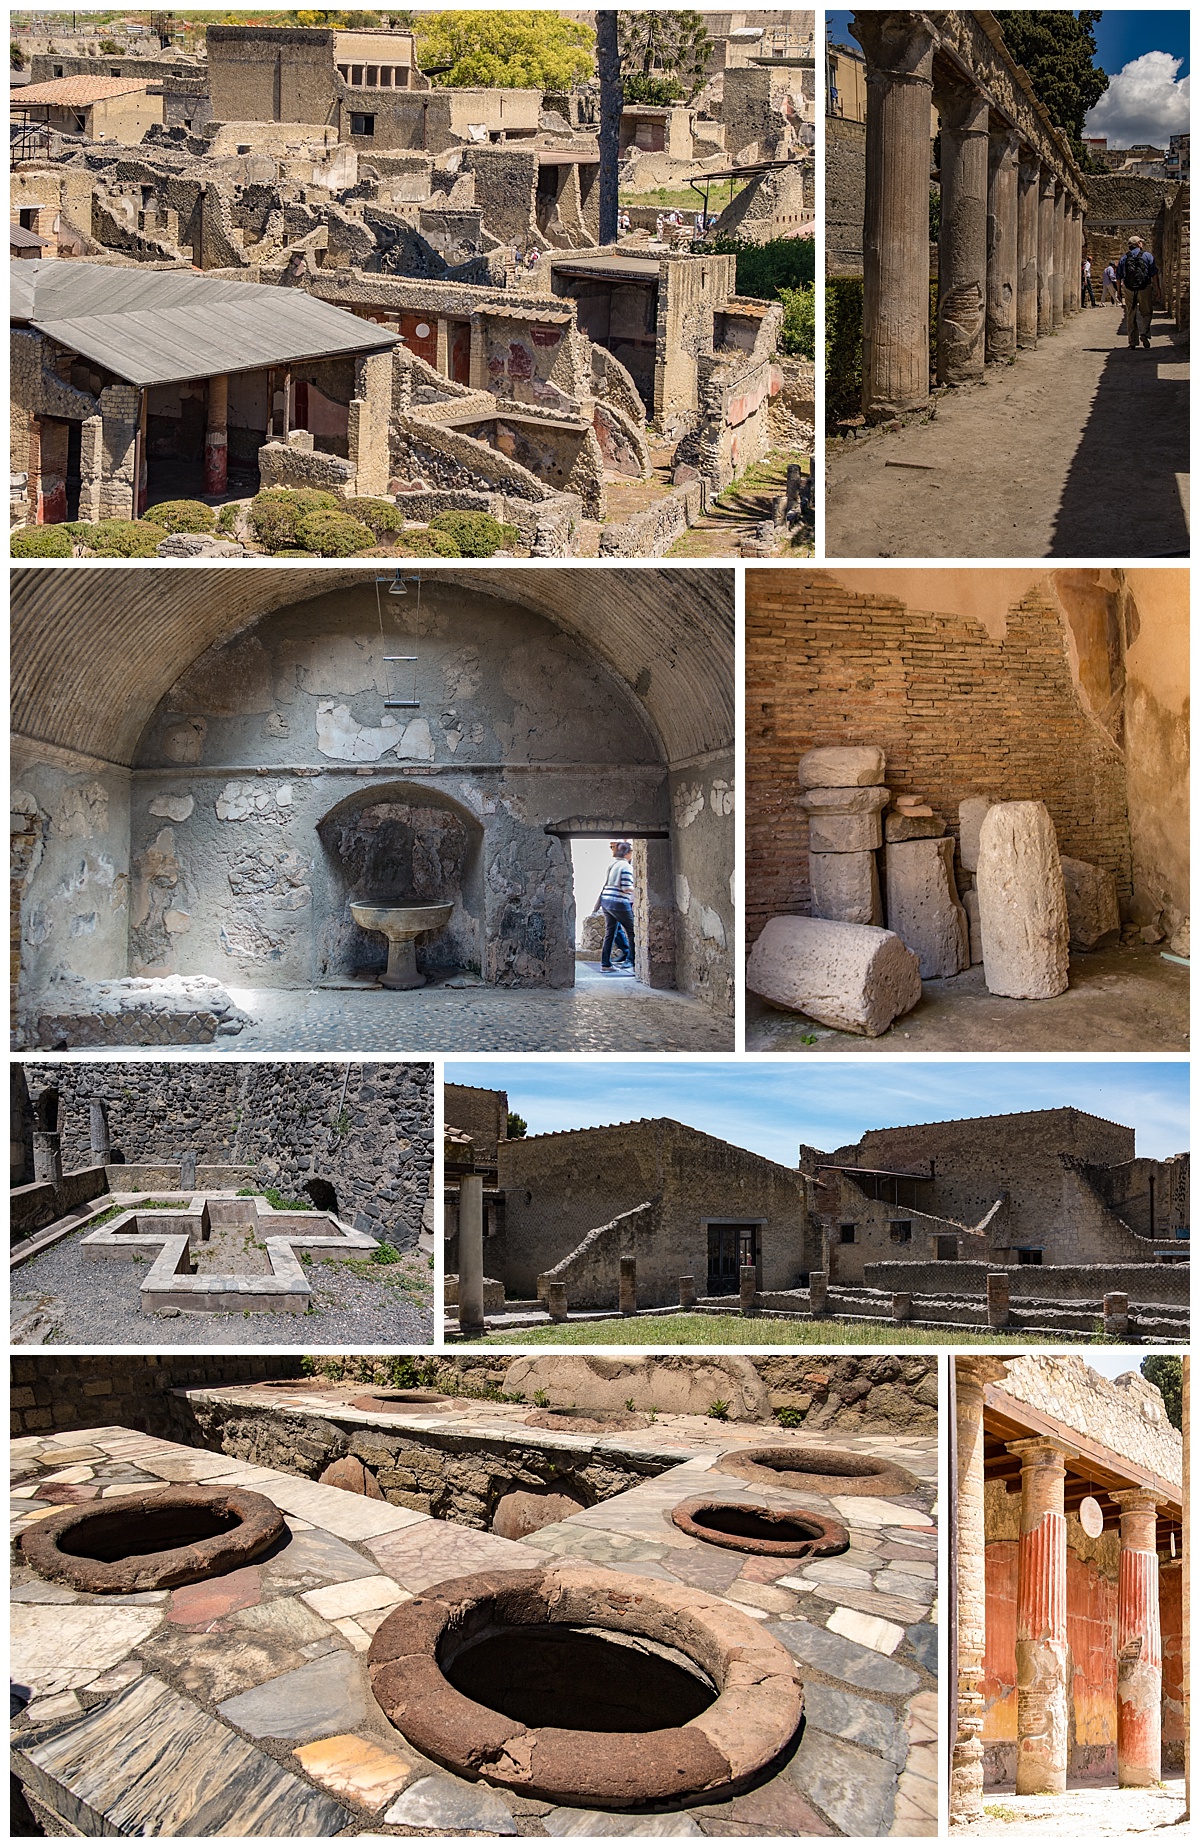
{"x":1043,"y":1689}
{"x":1010,"y":244}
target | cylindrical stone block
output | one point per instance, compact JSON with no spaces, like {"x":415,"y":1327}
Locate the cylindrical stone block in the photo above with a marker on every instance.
{"x":470,"y":1254}
{"x":687,"y":1292}
{"x":747,"y":1288}
{"x":556,"y":1301}
{"x":1042,"y":1733}
{"x":1045,"y":270}
{"x":971,"y":1375}
{"x":99,"y":1139}
{"x":845,"y":886}
{"x":47,"y":1156}
{"x":1139,"y":1644}
{"x":963,"y":237}
{"x":899,"y":65}
{"x":997,"y":1301}
{"x":1022,"y":903}
{"x":818,"y":1288}
{"x":1002,"y":244}
{"x":627,"y":1286}
{"x":1028,"y":173}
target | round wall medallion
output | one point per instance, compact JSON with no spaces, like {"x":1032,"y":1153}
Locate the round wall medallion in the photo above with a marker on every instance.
{"x":1091,"y":1517}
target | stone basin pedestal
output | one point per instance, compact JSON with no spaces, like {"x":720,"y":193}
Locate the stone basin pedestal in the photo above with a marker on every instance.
{"x":402,"y":924}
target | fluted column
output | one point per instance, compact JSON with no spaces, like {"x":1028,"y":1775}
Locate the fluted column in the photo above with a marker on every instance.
{"x":966,"y":1765}
{"x":1028,"y":173}
{"x":899,"y":66}
{"x":1139,"y":1643}
{"x":1070,"y":262}
{"x":1077,"y":221}
{"x":1045,"y":253}
{"x":1058,"y":232}
{"x":1041,"y":1619}
{"x":963,"y":239}
{"x":1002,"y":247}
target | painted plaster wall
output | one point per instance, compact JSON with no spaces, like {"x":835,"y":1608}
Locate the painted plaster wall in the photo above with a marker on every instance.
{"x":1157,"y":712}
{"x":268,"y":735}
{"x":702,"y":814}
{"x":73,"y":899}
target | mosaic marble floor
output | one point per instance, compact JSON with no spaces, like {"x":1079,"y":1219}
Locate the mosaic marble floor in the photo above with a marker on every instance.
{"x":241,"y":1705}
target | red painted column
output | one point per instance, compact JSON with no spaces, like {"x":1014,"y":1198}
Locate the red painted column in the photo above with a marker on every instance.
{"x":1041,"y":1620}
{"x":216,"y":452}
{"x":1139,"y":1644}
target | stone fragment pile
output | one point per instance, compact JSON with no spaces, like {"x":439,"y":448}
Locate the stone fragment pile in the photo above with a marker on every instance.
{"x":1006,"y":900}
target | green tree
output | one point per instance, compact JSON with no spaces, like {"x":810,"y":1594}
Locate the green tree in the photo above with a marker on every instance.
{"x":504,"y":50}
{"x":672,"y":48}
{"x":1165,"y":1370}
{"x":517,"y":1126}
{"x":1059,"y":52}
{"x":612,"y":97}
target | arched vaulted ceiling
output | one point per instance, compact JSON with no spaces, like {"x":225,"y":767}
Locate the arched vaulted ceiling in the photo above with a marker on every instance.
{"x":94,"y":648}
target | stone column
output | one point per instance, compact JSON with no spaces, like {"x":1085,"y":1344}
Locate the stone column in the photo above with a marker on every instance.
{"x":963,"y":240}
{"x":470,"y":1254}
{"x":687,"y":1293}
{"x":1003,"y":243}
{"x":1060,"y":254}
{"x":1028,"y":172}
{"x":1045,"y":269}
{"x":627,"y":1286}
{"x":216,"y":436}
{"x":556,"y":1301}
{"x":747,"y":1288}
{"x":99,"y":1139}
{"x":899,"y":65}
{"x":47,"y":1156}
{"x":966,"y":1762}
{"x":818,"y":1285}
{"x":1139,"y":1643}
{"x":1070,"y":262}
{"x":1041,"y":1619}
{"x":997,"y":1299}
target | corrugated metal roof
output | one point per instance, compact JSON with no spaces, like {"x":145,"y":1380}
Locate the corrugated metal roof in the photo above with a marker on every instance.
{"x":79,"y":90}
{"x":156,"y":327}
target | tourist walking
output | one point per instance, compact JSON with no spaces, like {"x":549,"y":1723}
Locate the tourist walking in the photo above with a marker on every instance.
{"x":1110,"y":289}
{"x":616,"y":901}
{"x":1135,"y":273}
{"x":1086,"y":283}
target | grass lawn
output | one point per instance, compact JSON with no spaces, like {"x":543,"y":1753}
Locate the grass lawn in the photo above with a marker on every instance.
{"x":740,"y":1331}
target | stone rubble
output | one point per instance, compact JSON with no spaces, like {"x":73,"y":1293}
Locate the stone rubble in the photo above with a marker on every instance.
{"x":853,"y":977}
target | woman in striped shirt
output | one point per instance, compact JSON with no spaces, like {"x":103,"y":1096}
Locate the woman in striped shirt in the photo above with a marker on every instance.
{"x":616,"y":901}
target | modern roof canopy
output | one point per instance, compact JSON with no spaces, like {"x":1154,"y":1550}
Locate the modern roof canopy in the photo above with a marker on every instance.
{"x":159,"y":327}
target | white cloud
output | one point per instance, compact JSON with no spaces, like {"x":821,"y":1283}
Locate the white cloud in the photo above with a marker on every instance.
{"x":1145,"y":102}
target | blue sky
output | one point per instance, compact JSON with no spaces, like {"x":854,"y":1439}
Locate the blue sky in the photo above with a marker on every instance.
{"x":1145,"y":54}
{"x":773,"y":1105}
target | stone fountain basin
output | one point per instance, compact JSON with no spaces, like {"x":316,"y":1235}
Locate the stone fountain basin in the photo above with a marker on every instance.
{"x":401,"y":920}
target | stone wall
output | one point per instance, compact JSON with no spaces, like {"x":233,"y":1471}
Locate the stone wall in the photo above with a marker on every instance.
{"x":57,"y":1391}
{"x":960,"y":706}
{"x":481,"y":1114}
{"x":845,"y":195}
{"x":361,"y":1132}
{"x":1033,"y":1282}
{"x":1125,"y":1414}
{"x":702,"y":807}
{"x":558,"y":1188}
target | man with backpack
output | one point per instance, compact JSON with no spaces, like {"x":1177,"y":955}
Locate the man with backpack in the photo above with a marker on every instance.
{"x":1135,"y":273}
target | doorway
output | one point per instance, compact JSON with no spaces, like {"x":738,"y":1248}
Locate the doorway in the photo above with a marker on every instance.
{"x":730,"y":1247}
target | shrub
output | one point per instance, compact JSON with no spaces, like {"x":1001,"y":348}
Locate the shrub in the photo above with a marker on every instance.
{"x":789,"y":1417}
{"x":118,"y":538}
{"x":40,"y":542}
{"x":763,"y":270}
{"x":229,"y":518}
{"x":843,"y":348}
{"x":382,"y":516}
{"x":477,"y":535}
{"x":798,"y":334}
{"x":183,"y":516}
{"x":276,"y":513}
{"x":333,"y":534}
{"x":429,"y":544}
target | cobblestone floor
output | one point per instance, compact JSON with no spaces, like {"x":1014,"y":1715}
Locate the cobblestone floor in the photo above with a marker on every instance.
{"x":208,"y":1709}
{"x":619,"y":1016}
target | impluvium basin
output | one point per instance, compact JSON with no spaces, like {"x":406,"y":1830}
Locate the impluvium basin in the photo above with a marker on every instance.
{"x":586,"y":1687}
{"x":402,"y":924}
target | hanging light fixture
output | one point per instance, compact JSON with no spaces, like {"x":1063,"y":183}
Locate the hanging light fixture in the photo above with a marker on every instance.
{"x":397,"y":586}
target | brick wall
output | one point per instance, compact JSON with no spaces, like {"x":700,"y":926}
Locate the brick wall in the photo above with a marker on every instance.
{"x":957,"y":712}
{"x":55,"y":1391}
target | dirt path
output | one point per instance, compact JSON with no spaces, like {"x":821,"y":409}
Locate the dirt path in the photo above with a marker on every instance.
{"x":1082,"y":1813}
{"x":1079,"y":450}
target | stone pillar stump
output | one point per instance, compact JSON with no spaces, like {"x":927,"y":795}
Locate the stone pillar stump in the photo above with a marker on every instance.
{"x":627,"y":1286}
{"x":470,"y":1254}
